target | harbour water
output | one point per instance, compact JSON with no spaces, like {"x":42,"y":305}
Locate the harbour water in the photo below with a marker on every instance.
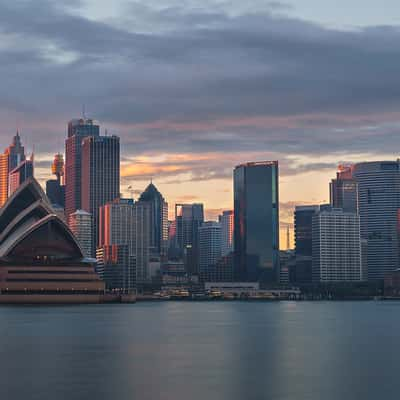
{"x":205,"y":350}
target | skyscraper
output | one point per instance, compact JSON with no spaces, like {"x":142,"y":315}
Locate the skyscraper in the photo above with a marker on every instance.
{"x":303,"y":218}
{"x":19,"y":175}
{"x":77,"y":130}
{"x":379,"y":204}
{"x":344,"y":190}
{"x":188,"y":219}
{"x":115,"y":251}
{"x":55,"y":188}
{"x":256,"y":227}
{"x":125,"y":223}
{"x":336,"y":242}
{"x":10,"y":159}
{"x":100,"y":176}
{"x":209,"y":250}
{"x":226,"y":221}
{"x":80,"y":223}
{"x":158,"y":220}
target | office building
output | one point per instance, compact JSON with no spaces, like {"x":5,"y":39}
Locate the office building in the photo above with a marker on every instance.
{"x":256,"y":226}
{"x":226,"y":221}
{"x":188,"y":219}
{"x":209,"y":249}
{"x":379,"y":204}
{"x":344,"y":190}
{"x":55,"y":188}
{"x":10,"y":159}
{"x":100,"y":176}
{"x":302,"y":271}
{"x":19,"y":175}
{"x":80,"y":223}
{"x":158,"y":220}
{"x":116,"y":266}
{"x":336,"y":246}
{"x":123,"y":223}
{"x":77,"y":130}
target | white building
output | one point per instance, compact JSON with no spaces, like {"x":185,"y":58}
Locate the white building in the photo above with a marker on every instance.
{"x":336,"y":246}
{"x":80,"y":223}
{"x":209,"y":248}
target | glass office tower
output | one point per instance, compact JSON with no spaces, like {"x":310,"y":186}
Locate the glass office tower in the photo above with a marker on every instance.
{"x":256,"y":226}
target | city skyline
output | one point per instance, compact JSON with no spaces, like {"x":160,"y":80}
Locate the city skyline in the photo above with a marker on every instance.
{"x":188,"y":127}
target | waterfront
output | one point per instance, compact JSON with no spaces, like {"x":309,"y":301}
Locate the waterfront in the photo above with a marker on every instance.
{"x":190,"y":350}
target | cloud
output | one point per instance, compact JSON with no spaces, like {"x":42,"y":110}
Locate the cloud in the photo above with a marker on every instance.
{"x":225,"y":78}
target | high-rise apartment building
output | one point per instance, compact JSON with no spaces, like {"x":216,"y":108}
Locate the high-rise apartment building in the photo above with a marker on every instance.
{"x":100,"y":160}
{"x":344,"y":190}
{"x":158,"y":220}
{"x":19,"y":175}
{"x":336,"y":243}
{"x":77,"y":130}
{"x":256,"y":226}
{"x":80,"y":223}
{"x":209,"y":249}
{"x":10,"y":159}
{"x":188,"y":219}
{"x":379,"y":204}
{"x":226,"y":221}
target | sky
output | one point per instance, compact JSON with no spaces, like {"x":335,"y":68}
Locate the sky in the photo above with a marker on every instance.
{"x":194,"y":88}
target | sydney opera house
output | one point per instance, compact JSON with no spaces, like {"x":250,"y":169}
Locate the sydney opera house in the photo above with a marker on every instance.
{"x":40,"y":260}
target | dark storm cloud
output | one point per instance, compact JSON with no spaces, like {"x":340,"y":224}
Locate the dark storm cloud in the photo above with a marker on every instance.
{"x":200,"y":80}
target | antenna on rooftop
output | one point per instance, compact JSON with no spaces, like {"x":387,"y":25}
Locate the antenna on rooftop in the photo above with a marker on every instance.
{"x":83,"y":111}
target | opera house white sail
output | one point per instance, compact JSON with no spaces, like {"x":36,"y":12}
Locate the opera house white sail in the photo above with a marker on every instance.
{"x":40,"y":259}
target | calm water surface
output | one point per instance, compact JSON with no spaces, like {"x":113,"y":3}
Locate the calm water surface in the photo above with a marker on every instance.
{"x":308,"y":350}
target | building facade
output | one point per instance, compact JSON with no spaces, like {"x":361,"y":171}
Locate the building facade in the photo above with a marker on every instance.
{"x":100,"y":177}
{"x":303,"y":219}
{"x":80,"y":223}
{"x":77,"y":130}
{"x":19,"y":175}
{"x":188,"y":219}
{"x":10,"y":159}
{"x":336,"y":246}
{"x":158,"y":220}
{"x":226,"y":220}
{"x":125,"y":224}
{"x":344,"y":190}
{"x":210,"y":240}
{"x":256,"y":222}
{"x":379,"y":204}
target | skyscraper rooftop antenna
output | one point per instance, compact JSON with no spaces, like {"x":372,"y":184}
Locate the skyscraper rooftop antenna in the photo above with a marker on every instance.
{"x":83,"y":111}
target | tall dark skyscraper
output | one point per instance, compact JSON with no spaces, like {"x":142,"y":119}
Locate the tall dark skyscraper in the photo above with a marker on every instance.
{"x":158,"y":220}
{"x":344,"y":190}
{"x":256,"y":226}
{"x":78,"y":129}
{"x":303,"y":218}
{"x":100,"y":176}
{"x":188,"y":219}
{"x":379,"y":204}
